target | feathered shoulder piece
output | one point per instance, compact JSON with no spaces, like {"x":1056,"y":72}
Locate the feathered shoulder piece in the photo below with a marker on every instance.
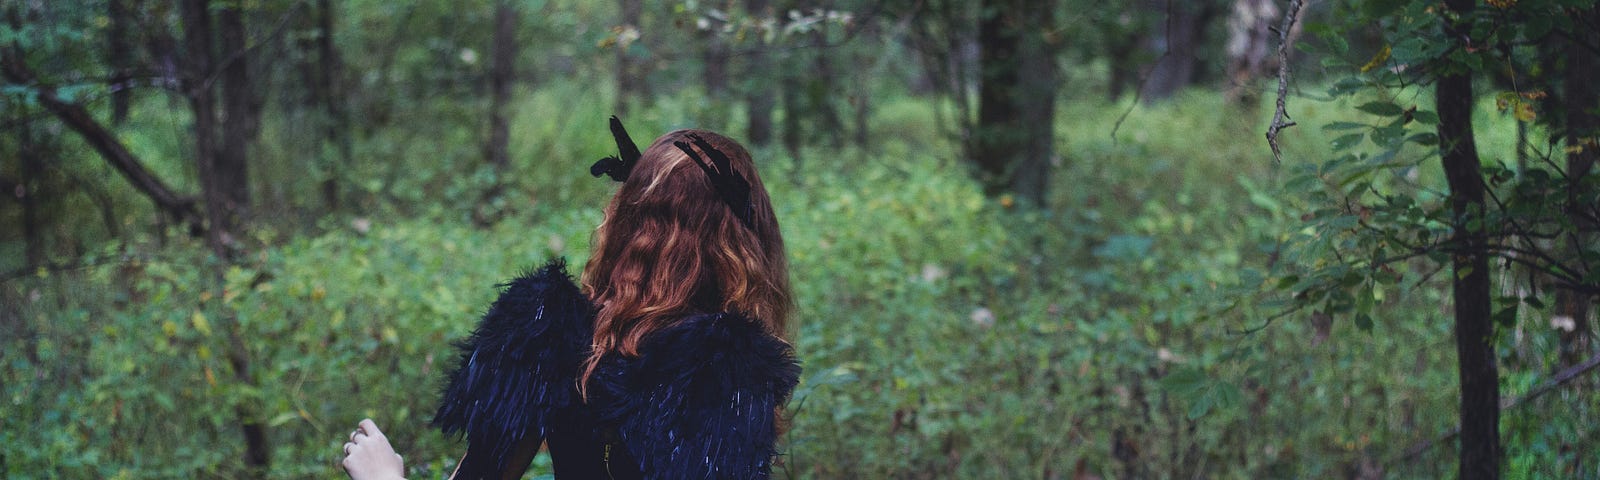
{"x":516,"y":369}
{"x":699,"y":401}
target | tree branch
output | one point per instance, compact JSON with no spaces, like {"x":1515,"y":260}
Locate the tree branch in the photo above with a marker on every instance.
{"x":1560,"y":378}
{"x":179,"y":207}
{"x":1280,"y":118}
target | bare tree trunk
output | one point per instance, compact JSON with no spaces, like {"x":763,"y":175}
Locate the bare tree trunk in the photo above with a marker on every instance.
{"x":758,"y":96}
{"x":1122,"y":43}
{"x":337,"y":130}
{"x":790,"y":85}
{"x":1013,"y":143}
{"x":28,"y":189}
{"x":1178,"y":43}
{"x":502,"y":75}
{"x":216,"y":166}
{"x":1582,"y":127}
{"x":120,"y":51}
{"x":1249,"y":47}
{"x":630,"y":74}
{"x":241,"y":114}
{"x":714,"y":62}
{"x":1480,"y":454}
{"x":823,"y":90}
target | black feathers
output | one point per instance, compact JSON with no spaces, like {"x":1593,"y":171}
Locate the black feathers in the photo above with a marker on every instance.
{"x":618,"y":168}
{"x":732,"y":187}
{"x":698,"y":402}
{"x":517,"y":368}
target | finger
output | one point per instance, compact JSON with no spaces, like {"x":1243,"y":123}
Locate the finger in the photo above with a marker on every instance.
{"x":353,"y":434}
{"x":347,"y":446}
{"x":371,"y":428}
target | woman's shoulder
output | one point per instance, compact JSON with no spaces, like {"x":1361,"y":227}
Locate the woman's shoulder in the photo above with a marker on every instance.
{"x":521,"y":357}
{"x":727,"y":346}
{"x":699,"y":400}
{"x":548,"y":284}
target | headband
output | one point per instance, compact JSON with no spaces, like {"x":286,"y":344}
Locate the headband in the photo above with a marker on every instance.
{"x":731,"y":187}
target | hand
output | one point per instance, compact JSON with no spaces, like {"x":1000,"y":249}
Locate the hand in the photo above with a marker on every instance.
{"x":368,"y":455}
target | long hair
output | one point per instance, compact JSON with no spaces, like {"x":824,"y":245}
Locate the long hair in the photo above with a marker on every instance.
{"x":670,"y":247}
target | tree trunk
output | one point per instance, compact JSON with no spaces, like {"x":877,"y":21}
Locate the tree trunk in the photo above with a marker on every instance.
{"x":714,"y":62}
{"x":27,"y":189}
{"x":501,"y":76}
{"x":1582,"y":127}
{"x":1179,"y":43}
{"x":217,"y":175}
{"x":1122,"y":44}
{"x":337,"y":130}
{"x":758,"y":99}
{"x":1480,"y":453}
{"x":630,"y":73}
{"x":1014,"y":139}
{"x":1249,"y":48}
{"x":120,"y":50}
{"x":791,"y":85}
{"x":241,"y":114}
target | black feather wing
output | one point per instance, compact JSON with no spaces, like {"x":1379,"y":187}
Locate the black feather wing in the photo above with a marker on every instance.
{"x":517,"y":368}
{"x":699,"y":401}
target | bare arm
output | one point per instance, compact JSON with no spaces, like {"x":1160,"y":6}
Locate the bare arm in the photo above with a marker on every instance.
{"x":475,"y":464}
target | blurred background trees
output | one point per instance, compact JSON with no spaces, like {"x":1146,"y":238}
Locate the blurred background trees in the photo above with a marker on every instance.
{"x":223,"y":218}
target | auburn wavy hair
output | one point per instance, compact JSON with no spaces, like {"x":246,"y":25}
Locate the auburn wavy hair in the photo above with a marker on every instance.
{"x":670,"y":247}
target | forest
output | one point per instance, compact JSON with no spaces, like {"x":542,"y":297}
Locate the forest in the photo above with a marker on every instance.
{"x":1053,"y":239}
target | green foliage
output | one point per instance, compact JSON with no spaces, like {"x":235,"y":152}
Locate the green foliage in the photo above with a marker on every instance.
{"x":944,"y":334}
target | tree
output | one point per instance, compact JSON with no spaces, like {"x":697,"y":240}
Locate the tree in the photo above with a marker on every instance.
{"x":502,"y":74}
{"x":758,"y":96}
{"x":1474,"y":331}
{"x":1014,"y":139}
{"x":13,"y":65}
{"x":1582,"y":126}
{"x":1179,"y":44}
{"x":1371,"y":223}
{"x":631,"y":71}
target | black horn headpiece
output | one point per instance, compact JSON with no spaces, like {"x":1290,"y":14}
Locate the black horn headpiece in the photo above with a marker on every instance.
{"x":618,"y":168}
{"x":731,"y":187}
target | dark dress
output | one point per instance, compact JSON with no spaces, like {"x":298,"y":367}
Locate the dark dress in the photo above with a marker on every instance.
{"x":697,"y":403}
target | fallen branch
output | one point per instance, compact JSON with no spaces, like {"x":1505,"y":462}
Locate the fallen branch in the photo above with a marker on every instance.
{"x":1563,"y":377}
{"x":1280,"y":118}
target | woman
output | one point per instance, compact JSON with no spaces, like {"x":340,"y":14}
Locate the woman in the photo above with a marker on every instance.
{"x":669,"y":362}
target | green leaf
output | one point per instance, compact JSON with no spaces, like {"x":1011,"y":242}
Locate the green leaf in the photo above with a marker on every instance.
{"x":1380,"y":107}
{"x":1186,"y":383}
{"x":1201,"y":406}
{"x":1424,"y":139}
{"x":1534,"y":302}
{"x":1536,"y":27}
{"x":1426,"y":117}
{"x":1348,"y":140}
{"x":1364,"y":322}
{"x":1387,"y":136}
{"x":1506,"y":317}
